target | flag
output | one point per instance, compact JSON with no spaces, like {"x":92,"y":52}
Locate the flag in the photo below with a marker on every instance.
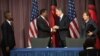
{"x":52,"y":21}
{"x":74,"y":27}
{"x":33,"y":27}
{"x":92,"y":11}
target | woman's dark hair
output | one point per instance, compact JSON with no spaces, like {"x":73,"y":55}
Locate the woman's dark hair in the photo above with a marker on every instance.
{"x":42,"y":11}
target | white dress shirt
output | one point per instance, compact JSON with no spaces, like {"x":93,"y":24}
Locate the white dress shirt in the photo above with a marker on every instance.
{"x":61,"y":17}
{"x":9,"y":22}
{"x":45,"y":19}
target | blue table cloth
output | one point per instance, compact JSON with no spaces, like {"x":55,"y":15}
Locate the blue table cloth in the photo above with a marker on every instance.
{"x":46,"y":52}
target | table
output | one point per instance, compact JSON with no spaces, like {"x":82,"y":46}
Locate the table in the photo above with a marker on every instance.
{"x":46,"y":52}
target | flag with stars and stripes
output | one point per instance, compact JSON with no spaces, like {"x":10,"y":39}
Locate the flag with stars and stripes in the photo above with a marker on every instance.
{"x":33,"y":27}
{"x":74,"y":27}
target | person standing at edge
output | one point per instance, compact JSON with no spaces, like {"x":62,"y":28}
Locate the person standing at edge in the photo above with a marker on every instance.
{"x":8,"y":39}
{"x":90,"y":33}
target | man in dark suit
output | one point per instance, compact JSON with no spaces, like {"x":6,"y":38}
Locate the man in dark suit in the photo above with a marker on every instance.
{"x":90,"y":32}
{"x":62,"y":27}
{"x":44,"y":31}
{"x":8,"y":40}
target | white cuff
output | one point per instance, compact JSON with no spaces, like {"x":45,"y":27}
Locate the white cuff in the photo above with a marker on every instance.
{"x":51,"y":30}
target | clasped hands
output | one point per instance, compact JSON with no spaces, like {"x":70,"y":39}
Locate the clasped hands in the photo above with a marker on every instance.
{"x":54,"y":28}
{"x":90,"y":33}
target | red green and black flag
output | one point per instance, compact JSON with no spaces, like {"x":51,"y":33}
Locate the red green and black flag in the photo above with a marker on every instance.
{"x":92,"y":11}
{"x":52,"y":20}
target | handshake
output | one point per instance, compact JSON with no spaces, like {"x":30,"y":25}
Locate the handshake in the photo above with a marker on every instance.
{"x":54,"y":28}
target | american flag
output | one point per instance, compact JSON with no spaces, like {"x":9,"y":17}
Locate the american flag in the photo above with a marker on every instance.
{"x":74,"y":27}
{"x":33,"y":27}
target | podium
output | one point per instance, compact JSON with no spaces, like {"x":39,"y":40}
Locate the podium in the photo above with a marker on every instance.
{"x":43,"y":42}
{"x":40,"y":42}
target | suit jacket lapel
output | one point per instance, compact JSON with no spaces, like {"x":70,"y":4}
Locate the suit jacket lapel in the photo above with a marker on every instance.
{"x":45,"y":21}
{"x":9,"y":25}
{"x":60,"y":20}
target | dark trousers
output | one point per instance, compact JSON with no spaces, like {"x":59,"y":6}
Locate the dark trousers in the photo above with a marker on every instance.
{"x":62,"y":42}
{"x":59,"y":43}
{"x":5,"y":53}
{"x":50,"y":43}
{"x":91,"y":52}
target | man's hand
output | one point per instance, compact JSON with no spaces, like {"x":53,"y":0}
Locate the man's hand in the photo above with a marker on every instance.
{"x":55,"y":27}
{"x":90,"y":33}
{"x":7,"y":49}
{"x":53,"y":30}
